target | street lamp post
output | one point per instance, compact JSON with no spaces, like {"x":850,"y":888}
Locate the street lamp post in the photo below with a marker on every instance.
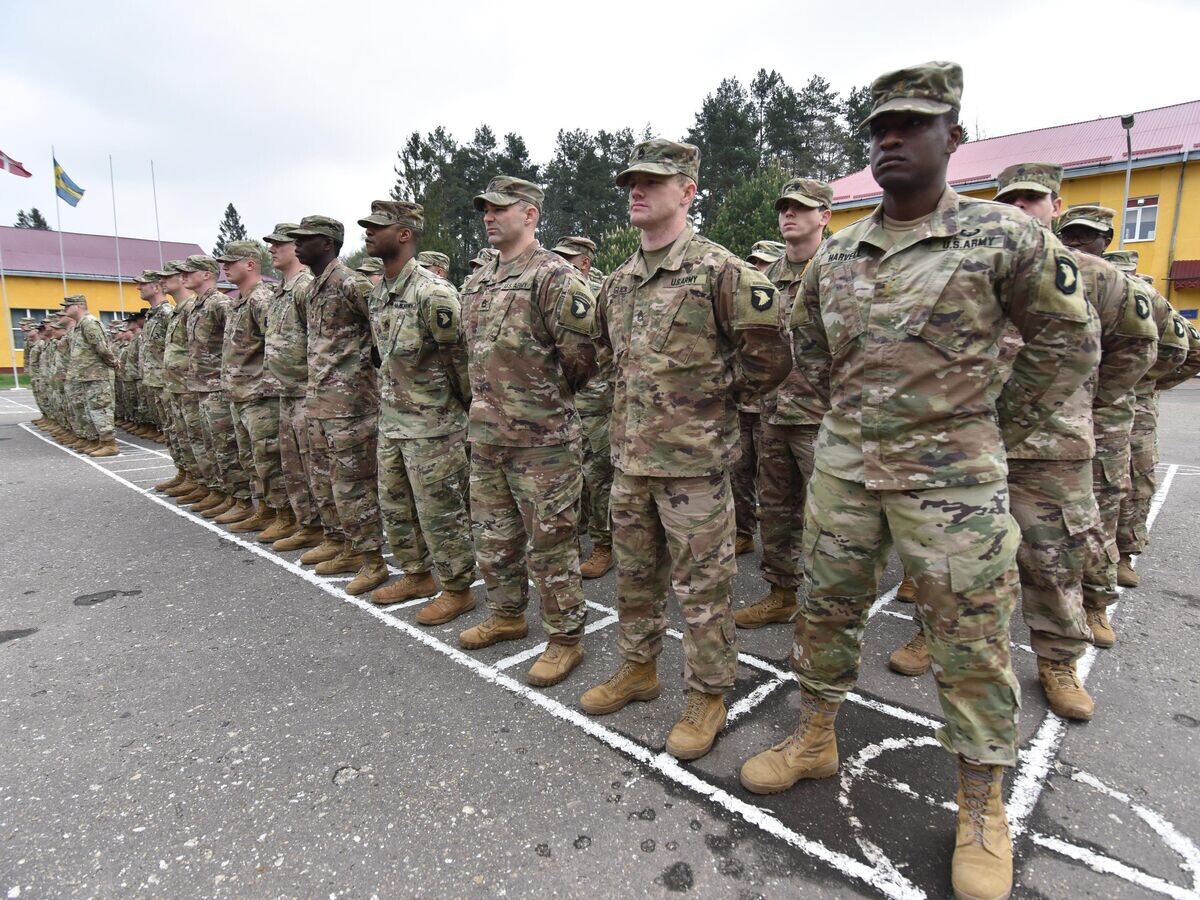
{"x":1127,"y":124}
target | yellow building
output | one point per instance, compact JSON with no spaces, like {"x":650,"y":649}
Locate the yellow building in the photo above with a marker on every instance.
{"x":33,"y":281}
{"x":1162,"y":218}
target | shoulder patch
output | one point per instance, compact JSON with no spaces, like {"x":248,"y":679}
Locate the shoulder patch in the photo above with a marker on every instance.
{"x":1059,"y":293}
{"x":756,"y":304}
{"x":1136,"y":318}
{"x":1066,"y":277}
{"x":444,"y":321}
{"x":578,"y":310}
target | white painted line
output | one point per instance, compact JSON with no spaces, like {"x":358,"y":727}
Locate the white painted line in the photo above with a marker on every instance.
{"x":509,"y":661}
{"x":755,"y":697}
{"x":18,"y":403}
{"x":144,"y":447}
{"x":141,"y":469}
{"x":1036,"y":757}
{"x":1106,"y":865}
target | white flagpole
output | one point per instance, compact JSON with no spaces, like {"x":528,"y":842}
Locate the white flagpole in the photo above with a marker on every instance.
{"x":157,"y":231}
{"x":62,"y":256}
{"x":8,"y":316}
{"x":116,"y":236}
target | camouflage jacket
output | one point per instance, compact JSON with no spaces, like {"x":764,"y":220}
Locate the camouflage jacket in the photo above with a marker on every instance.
{"x":423,"y":378}
{"x":33,"y":352}
{"x":795,"y":401}
{"x":243,"y":370}
{"x":1172,"y":353}
{"x":127,"y":360}
{"x":529,"y":324}
{"x":1191,"y":364}
{"x":595,"y":397}
{"x":175,"y":348}
{"x":341,"y":376}
{"x":287,"y":338}
{"x":90,"y":356}
{"x":1101,"y":409}
{"x":901,"y":335}
{"x":205,"y":337}
{"x":687,"y":339}
{"x":154,"y":341}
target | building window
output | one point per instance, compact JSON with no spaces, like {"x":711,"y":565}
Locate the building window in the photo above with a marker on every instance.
{"x":18,"y":336}
{"x":107,"y":318}
{"x":1141,"y":219}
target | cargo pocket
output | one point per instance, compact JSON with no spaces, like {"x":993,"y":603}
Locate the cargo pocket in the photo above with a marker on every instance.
{"x":434,"y":470}
{"x":1081,"y":516}
{"x":690,"y":319}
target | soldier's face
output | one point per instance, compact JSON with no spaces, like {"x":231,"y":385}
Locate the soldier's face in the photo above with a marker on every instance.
{"x":1043,"y":207}
{"x":798,"y":222}
{"x":909,"y":151}
{"x":282,"y":255}
{"x":309,"y":247}
{"x":504,"y":225}
{"x":656,"y":199}
{"x":192,"y":280}
{"x":1084,"y":239}
{"x":382,"y":240}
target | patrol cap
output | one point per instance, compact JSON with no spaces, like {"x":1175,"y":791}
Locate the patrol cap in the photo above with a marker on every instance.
{"x":74,"y":300}
{"x":767,"y":251}
{"x":575,"y":246}
{"x":486,"y":255}
{"x":1098,"y":218}
{"x":28,"y":320}
{"x":199,"y":262}
{"x":928,"y":89}
{"x":322,"y":226}
{"x":1149,"y":279}
{"x":148,"y":276}
{"x":1040,"y":178}
{"x":433,"y":258}
{"x":1125,"y":260}
{"x":504,"y":190}
{"x":173,"y":267}
{"x":369,"y":266}
{"x":661,"y":157}
{"x":237,"y":250}
{"x":807,"y":192}
{"x":280,"y":234}
{"x":395,"y":212}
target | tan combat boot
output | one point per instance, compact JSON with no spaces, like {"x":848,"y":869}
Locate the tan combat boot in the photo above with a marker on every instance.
{"x":598,"y":563}
{"x":693,"y":735}
{"x":163,"y":486}
{"x":106,"y":448}
{"x":184,"y":487}
{"x":809,"y":752}
{"x":778,"y":606}
{"x":199,"y":492}
{"x":221,"y":508}
{"x":263,"y":516}
{"x":348,"y":562}
{"x":239,"y":511}
{"x":632,"y":681}
{"x":492,"y":630}
{"x":907,"y":592}
{"x":371,"y":574}
{"x":328,"y":549}
{"x":911,"y":659}
{"x":1064,"y":691}
{"x":1127,"y":576}
{"x":410,"y":586}
{"x":1103,"y":634}
{"x":554,"y":665}
{"x":446,"y":606}
{"x":213,"y":498}
{"x":306,"y":537}
{"x":743,"y":544}
{"x":982,"y":863}
{"x":282,"y":525}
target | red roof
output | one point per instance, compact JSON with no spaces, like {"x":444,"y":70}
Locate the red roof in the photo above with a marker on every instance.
{"x":1168,"y":129}
{"x":29,"y":251}
{"x":1185,"y":273}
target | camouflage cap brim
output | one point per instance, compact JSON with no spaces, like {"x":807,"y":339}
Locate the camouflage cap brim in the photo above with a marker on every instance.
{"x":1086,"y":223}
{"x":380,"y":220}
{"x":1032,"y":186}
{"x":277,"y":238}
{"x":649,"y":168}
{"x":494,"y":198}
{"x":919,"y":105}
{"x":803,"y":200}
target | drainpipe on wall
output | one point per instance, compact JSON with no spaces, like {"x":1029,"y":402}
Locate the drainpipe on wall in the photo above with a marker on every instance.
{"x":1175,"y":222}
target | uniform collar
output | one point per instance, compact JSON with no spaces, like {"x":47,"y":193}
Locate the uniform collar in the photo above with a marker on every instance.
{"x":941,"y":224}
{"x":674,"y":258}
{"x":513,"y":268}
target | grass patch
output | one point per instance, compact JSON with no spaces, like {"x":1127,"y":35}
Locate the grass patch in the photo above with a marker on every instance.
{"x":6,"y":380}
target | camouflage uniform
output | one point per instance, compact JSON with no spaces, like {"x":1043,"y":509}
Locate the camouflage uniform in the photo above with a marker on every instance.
{"x":342,"y":400}
{"x":154,"y":339}
{"x":177,"y":399}
{"x":899,"y":327}
{"x":253,"y":393}
{"x":287,"y":361}
{"x":529,"y":324}
{"x":126,"y":353}
{"x":89,"y":377}
{"x":686,"y":338}
{"x":415,"y":319}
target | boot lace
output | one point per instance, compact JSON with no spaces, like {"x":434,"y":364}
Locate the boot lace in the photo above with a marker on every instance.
{"x":917,"y":644}
{"x":693,"y":712}
{"x":1064,"y":674}
{"x":1097,"y":617}
{"x":975,"y":787}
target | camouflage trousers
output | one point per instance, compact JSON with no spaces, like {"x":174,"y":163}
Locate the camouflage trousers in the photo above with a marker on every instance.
{"x":193,"y":416}
{"x":960,"y":544}
{"x":294,"y":458}
{"x":344,"y":472}
{"x":1055,"y":509}
{"x":744,"y":474}
{"x":124,"y":403}
{"x":525,"y":503}
{"x":256,"y":429}
{"x":677,"y":532}
{"x":148,"y":403}
{"x":597,"y":478}
{"x":93,"y":403}
{"x":785,"y":466}
{"x":177,"y":433}
{"x":221,"y":443}
{"x":422,"y":497}
{"x":1110,"y":482}
{"x":1132,"y":535}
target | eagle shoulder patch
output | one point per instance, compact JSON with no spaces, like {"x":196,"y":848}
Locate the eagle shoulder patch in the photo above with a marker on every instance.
{"x":578,"y":310}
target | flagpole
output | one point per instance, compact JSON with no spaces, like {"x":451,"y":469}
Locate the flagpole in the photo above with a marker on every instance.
{"x":157,"y":232}
{"x":8,"y":315}
{"x":62,"y":256}
{"x":116,"y":236}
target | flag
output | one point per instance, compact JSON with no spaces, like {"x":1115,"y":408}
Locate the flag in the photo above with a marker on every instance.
{"x":8,"y":164}
{"x":66,"y":188}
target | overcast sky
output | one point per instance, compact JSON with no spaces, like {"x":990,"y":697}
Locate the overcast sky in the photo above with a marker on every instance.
{"x":287,"y":109}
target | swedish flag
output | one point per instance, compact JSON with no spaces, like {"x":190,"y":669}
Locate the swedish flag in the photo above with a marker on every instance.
{"x":66,"y":188}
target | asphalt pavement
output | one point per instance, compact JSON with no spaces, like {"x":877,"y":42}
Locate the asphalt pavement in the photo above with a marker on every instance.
{"x":187,"y":713}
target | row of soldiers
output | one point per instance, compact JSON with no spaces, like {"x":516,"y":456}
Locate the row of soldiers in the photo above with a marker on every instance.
{"x":944,"y":376}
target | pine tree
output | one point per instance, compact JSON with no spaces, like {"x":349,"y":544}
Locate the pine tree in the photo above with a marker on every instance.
{"x":747,"y":213}
{"x":231,"y":229}
{"x":725,"y":133}
{"x":615,"y":247}
{"x":32,"y":219}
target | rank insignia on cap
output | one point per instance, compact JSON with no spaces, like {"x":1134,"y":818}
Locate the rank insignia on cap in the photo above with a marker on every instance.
{"x":1066,"y":278}
{"x":761,"y":298}
{"x":581,"y":305}
{"x":444,"y":318}
{"x":1143,"y":307}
